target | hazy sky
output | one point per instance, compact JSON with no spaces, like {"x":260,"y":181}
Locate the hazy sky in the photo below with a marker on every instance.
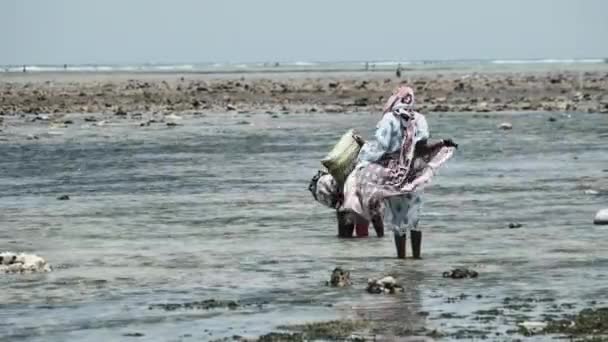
{"x":137,"y":31}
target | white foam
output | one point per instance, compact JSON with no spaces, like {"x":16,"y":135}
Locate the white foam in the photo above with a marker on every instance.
{"x":548,"y":61}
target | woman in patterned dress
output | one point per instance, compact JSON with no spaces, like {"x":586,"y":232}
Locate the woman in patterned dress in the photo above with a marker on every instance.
{"x":386,"y":186}
{"x":393,"y":170}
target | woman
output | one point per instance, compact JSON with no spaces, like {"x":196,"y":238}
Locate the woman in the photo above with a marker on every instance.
{"x":326,"y":190}
{"x":387,"y":184}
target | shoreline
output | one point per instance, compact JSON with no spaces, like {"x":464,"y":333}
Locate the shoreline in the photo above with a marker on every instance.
{"x":108,"y":94}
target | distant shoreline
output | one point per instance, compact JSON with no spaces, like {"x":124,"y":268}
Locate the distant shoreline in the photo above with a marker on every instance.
{"x":133,"y":95}
{"x":316,"y":66}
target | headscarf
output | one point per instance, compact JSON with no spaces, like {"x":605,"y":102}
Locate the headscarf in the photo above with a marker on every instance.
{"x":402,"y":98}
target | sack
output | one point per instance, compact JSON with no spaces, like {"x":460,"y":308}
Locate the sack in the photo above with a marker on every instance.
{"x":342,"y":159}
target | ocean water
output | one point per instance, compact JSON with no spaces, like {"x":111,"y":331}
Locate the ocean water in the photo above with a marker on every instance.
{"x":313,"y":66}
{"x":218,"y":208}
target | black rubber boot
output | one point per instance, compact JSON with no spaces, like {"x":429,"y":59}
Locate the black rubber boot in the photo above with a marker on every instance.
{"x":416,"y":243}
{"x":345,"y":226}
{"x":378,"y":226}
{"x":400,"y":245}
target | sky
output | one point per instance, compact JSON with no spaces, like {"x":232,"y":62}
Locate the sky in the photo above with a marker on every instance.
{"x":188,"y":31}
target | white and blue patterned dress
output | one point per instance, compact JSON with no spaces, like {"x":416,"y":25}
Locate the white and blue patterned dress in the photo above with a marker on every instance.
{"x":401,"y":212}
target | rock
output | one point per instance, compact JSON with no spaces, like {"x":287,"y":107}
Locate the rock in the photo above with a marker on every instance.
{"x":243,"y":122}
{"x":22,"y":263}
{"x":90,"y":119}
{"x":171,"y":124}
{"x":135,"y":334}
{"x":41,"y":117}
{"x":505,"y":126}
{"x":386,"y":284}
{"x":207,"y":304}
{"x":68,"y":122}
{"x":173,"y":117}
{"x":533,"y":327}
{"x":230,"y":107}
{"x":514,"y":225}
{"x":339,"y":278}
{"x":57,"y":125}
{"x":591,"y":192}
{"x":460,"y":273}
{"x":333,"y":109}
{"x":32,"y":137}
{"x":100,"y":123}
{"x":361,"y":102}
{"x":601,"y":217}
{"x":120,"y":112}
{"x":63,"y":197}
{"x":552,"y":119}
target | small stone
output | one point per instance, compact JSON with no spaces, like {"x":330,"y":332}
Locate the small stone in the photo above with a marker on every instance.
{"x":68,"y":122}
{"x":63,"y":197}
{"x":171,"y":124}
{"x":601,"y":217}
{"x":90,"y":119}
{"x":505,"y":126}
{"x":135,"y":334}
{"x":514,"y":225}
{"x":552,"y":119}
{"x":388,"y":281}
{"x":460,"y":273}
{"x":120,"y":112}
{"x":173,"y":117}
{"x":41,"y":117}
{"x":361,"y":102}
{"x":230,"y":107}
{"x":339,"y":278}
{"x":333,"y":109}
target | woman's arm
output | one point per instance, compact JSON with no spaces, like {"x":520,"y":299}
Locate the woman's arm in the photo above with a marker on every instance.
{"x":427,"y":146}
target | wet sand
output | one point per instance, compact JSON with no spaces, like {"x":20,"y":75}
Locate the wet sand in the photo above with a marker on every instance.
{"x":109,"y":96}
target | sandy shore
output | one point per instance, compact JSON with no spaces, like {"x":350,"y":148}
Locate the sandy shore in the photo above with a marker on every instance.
{"x":125,"y":95}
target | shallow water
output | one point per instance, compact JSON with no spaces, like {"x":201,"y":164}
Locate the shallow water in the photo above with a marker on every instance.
{"x":218,"y":208}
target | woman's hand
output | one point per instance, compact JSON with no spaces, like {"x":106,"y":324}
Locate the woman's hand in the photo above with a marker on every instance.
{"x":449,"y":143}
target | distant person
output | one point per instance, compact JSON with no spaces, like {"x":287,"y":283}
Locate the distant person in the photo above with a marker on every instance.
{"x":366,"y":66}
{"x":276,"y":65}
{"x":398,"y":72}
{"x":24,"y":68}
{"x":65,"y":67}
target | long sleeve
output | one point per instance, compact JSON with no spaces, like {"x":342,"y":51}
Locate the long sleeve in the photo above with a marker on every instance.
{"x":388,"y":138}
